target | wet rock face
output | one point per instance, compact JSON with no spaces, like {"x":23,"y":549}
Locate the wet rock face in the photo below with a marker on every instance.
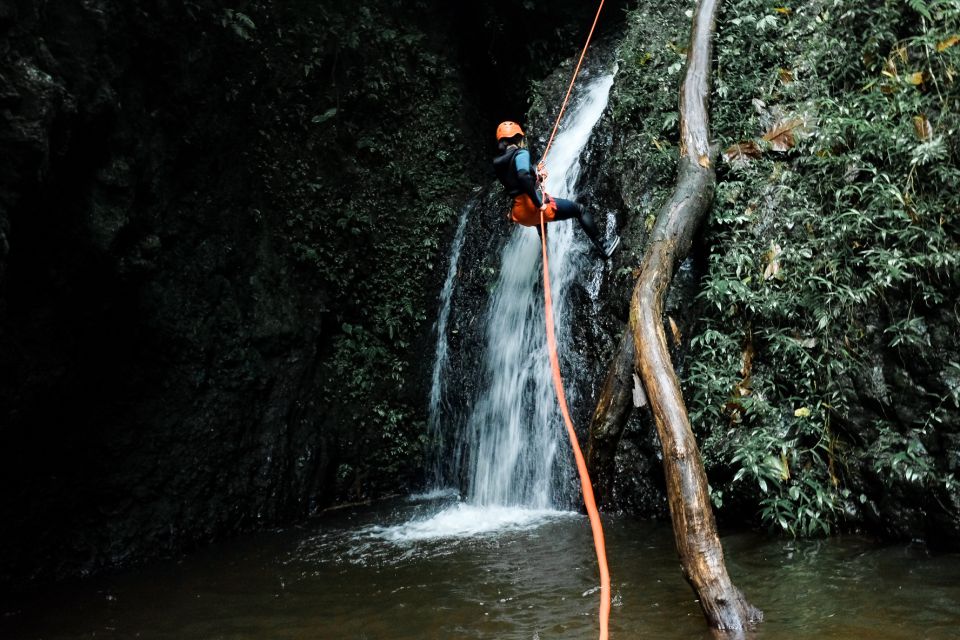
{"x":593,"y":333}
{"x":907,"y":393}
{"x":164,"y":344}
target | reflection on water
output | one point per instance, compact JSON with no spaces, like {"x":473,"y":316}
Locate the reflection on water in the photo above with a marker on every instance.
{"x":415,"y":570}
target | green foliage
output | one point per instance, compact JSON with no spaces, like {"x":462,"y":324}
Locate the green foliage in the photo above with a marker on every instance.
{"x":643,"y":111}
{"x":903,"y":456}
{"x":847,"y":229}
{"x":239,"y":23}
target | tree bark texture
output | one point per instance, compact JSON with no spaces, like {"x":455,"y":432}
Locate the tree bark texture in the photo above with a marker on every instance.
{"x":694,"y":527}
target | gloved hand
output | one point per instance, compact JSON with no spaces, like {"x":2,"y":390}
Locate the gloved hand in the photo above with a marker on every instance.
{"x":542,"y":171}
{"x":546,"y":201}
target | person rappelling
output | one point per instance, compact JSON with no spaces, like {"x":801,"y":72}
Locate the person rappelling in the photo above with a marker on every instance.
{"x":515,"y":171}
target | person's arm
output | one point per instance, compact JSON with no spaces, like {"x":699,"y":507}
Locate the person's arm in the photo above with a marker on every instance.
{"x":528,"y":179}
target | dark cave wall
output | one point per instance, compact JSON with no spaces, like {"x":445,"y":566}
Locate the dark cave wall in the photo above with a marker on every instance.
{"x":160,"y":352}
{"x":165,"y":349}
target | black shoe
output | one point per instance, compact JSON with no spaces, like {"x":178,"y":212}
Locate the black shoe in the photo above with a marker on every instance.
{"x":611,"y":247}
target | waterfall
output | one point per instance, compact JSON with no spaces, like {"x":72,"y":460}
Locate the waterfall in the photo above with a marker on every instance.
{"x":512,"y":442}
{"x":512,"y":437}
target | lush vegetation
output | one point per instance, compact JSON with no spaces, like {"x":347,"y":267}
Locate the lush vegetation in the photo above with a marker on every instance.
{"x":644,"y":108}
{"x":836,"y":215}
{"x":824,"y":373}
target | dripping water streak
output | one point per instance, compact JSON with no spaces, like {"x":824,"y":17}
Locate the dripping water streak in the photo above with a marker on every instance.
{"x":438,"y":404}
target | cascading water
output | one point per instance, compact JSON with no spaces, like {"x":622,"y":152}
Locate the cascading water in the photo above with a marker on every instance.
{"x":512,"y":442}
{"x":438,"y":387}
{"x":512,"y":437}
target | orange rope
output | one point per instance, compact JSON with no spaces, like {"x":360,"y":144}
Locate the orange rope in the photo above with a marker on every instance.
{"x":573,"y":79}
{"x":585,"y":485}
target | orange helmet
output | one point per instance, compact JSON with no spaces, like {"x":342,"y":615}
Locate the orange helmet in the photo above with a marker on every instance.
{"x":508,"y":129}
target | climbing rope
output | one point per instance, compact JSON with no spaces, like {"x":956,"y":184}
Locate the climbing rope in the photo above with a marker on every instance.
{"x":573,"y":80}
{"x":585,"y":485}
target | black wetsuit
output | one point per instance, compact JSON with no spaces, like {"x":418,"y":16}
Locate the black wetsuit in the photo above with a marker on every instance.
{"x":516,"y":173}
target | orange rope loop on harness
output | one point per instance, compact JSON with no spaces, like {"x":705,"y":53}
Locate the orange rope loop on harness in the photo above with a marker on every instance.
{"x":586,"y":486}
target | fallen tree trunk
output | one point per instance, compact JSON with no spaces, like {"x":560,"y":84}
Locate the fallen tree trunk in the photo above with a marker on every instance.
{"x":694,"y":527}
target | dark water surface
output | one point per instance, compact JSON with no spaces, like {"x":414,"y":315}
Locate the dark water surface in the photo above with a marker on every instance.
{"x":351,"y":576}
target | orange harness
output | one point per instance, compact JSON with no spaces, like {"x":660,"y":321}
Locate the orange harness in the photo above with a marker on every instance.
{"x":525,"y":212}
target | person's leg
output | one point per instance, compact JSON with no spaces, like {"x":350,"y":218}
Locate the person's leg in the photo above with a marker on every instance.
{"x":567,"y":209}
